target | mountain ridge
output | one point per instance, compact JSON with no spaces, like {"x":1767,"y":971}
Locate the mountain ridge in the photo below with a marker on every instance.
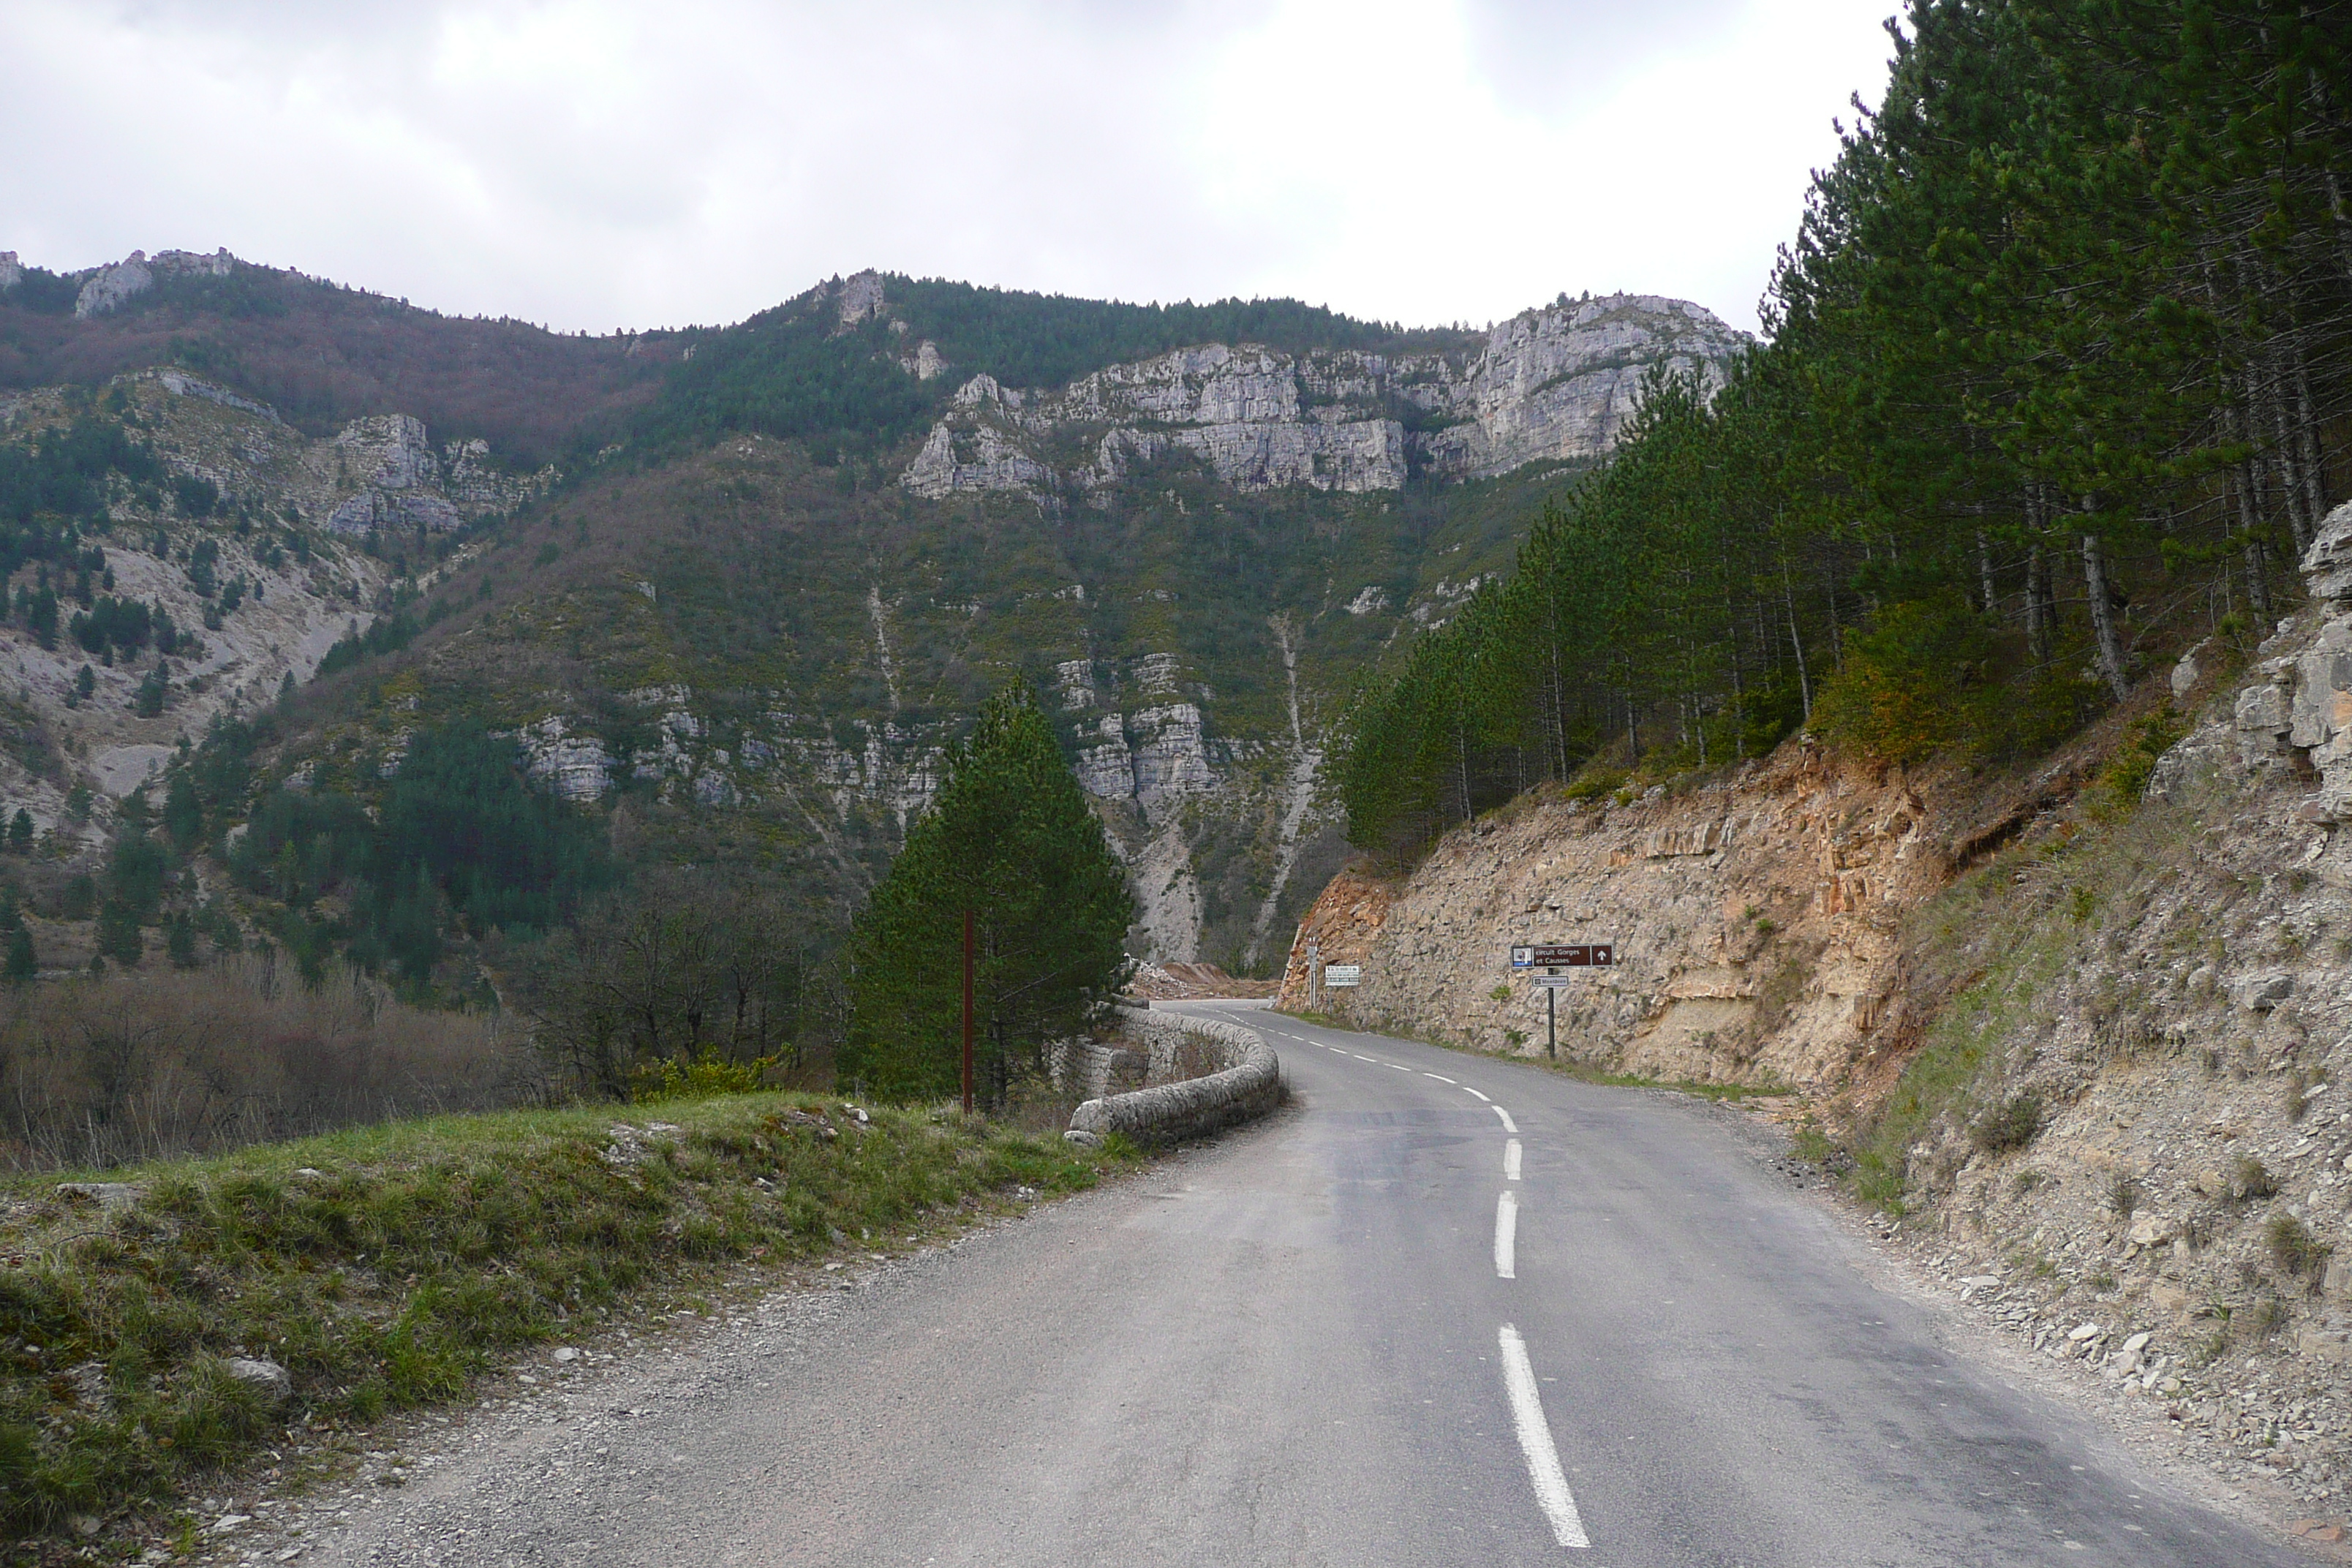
{"x":729,"y":618}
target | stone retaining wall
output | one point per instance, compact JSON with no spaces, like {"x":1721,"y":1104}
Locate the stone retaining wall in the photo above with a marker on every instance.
{"x":1249,"y":1086}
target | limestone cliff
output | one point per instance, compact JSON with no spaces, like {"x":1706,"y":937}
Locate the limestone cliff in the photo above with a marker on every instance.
{"x":282,"y":528}
{"x":1552,"y":384}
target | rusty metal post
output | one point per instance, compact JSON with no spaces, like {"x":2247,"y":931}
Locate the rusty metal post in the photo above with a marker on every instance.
{"x":967,"y":1012}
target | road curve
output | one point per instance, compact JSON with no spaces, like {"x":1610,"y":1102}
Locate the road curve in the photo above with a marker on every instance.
{"x":1447,"y":1310}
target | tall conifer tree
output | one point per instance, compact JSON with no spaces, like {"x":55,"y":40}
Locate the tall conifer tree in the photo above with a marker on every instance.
{"x":1009,"y":837}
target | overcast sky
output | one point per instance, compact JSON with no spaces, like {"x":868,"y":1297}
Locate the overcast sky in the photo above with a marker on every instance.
{"x":595,"y":164}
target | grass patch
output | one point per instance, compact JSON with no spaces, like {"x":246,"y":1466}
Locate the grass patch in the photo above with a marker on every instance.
{"x":1812,"y":1145}
{"x":2002,"y":943}
{"x":2294,"y":1250}
{"x":2251,"y":1180}
{"x":386,"y":1267}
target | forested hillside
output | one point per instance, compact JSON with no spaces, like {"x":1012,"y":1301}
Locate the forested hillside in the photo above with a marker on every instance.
{"x":496,"y":668}
{"x":2059,"y":368}
{"x":323,"y":354}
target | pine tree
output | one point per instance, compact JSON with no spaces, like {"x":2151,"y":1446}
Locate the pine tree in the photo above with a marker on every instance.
{"x":183,"y":814}
{"x":180,"y":941}
{"x":20,"y":831}
{"x":22,"y":963}
{"x":1011,"y":838}
{"x":119,"y":936}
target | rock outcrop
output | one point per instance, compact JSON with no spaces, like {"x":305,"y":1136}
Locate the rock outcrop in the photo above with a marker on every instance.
{"x":1553,"y":385}
{"x":305,"y":586}
{"x":1756,"y":919}
{"x":389,"y":476}
{"x":108,"y":288}
{"x":2297,"y":722}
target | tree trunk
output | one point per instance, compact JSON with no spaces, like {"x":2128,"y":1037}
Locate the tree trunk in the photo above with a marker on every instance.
{"x":2102,"y":617}
{"x":2037,"y":630}
{"x":2315,"y":459}
{"x":1797,"y":642}
{"x":2286,"y":454}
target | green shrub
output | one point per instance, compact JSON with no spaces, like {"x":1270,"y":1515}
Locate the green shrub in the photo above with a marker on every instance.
{"x":1913,"y":683}
{"x":2125,"y":779}
{"x":2012,"y":1124}
{"x":700,"y":1079}
{"x":2124,"y":1194}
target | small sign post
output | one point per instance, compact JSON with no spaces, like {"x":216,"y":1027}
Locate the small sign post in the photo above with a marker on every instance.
{"x":1551,"y":958}
{"x":1314,"y":976}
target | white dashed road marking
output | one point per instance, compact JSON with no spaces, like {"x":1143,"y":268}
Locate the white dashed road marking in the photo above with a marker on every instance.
{"x":1508,"y":1125}
{"x":1506,"y":1235}
{"x":1439,"y":1077}
{"x":1467,"y":1089}
{"x":1552,"y":1495}
{"x":1511,"y":1160}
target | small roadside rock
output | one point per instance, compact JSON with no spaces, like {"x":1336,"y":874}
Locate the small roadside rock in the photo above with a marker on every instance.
{"x":107,"y":1195}
{"x":264,"y":1375}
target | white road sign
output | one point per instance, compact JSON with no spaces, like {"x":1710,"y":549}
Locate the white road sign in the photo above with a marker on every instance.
{"x":1343,"y":974}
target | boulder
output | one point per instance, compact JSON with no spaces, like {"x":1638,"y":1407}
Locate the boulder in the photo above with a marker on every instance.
{"x":2262,"y":992}
{"x":107,"y":1195}
{"x":264,"y":1375}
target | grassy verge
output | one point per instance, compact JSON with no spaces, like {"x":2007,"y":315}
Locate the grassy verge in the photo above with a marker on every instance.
{"x":2003,"y":951}
{"x":387,"y":1267}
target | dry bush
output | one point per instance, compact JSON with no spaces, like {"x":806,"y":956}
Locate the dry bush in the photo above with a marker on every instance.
{"x":116,"y":1069}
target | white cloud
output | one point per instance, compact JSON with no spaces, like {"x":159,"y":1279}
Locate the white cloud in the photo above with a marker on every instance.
{"x":590,"y":164}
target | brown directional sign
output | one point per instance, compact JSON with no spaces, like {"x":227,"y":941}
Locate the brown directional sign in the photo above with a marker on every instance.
{"x":1565,"y":955}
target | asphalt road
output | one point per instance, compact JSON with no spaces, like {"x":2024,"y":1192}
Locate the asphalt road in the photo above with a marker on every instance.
{"x":1447,"y":1310}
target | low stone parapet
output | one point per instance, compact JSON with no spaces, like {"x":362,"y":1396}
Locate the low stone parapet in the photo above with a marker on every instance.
{"x":1248,"y":1085}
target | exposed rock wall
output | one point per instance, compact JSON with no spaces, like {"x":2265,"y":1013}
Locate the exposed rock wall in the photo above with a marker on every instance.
{"x":294,"y":607}
{"x":1757,"y":919}
{"x":108,"y":287}
{"x":1550,"y":386}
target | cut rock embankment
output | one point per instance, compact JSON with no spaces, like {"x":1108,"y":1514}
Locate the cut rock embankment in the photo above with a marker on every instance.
{"x":1247,"y":1087}
{"x":1756,"y":917}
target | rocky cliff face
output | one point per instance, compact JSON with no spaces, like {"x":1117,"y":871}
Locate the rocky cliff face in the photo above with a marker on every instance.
{"x":1757,"y":919}
{"x":105,"y":289}
{"x":1552,"y":384}
{"x":283,"y":531}
{"x":1194,"y":555}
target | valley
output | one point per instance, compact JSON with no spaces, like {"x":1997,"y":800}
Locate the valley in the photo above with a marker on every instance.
{"x":758,"y":642}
